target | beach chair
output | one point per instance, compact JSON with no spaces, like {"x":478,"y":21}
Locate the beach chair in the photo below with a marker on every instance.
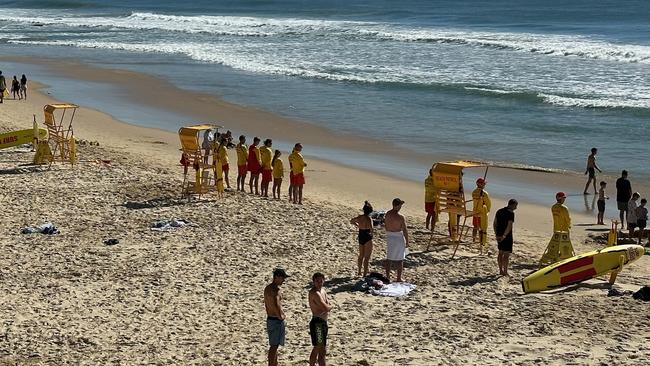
{"x":194,"y":156}
{"x":450,"y":199}
{"x":60,"y":135}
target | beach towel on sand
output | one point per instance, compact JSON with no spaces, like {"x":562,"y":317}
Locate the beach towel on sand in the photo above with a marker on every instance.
{"x":47,"y":228}
{"x":395,"y":289}
{"x":168,"y":225}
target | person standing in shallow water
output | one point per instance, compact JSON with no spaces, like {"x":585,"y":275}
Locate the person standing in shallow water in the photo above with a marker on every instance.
{"x":364,"y":224}
{"x":591,"y":170}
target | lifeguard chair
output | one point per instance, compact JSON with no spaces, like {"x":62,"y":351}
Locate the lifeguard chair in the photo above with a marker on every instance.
{"x":450,"y":198}
{"x":195,"y":155}
{"x":60,"y":135}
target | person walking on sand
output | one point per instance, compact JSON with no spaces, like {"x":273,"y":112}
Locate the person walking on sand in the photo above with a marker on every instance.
{"x":561,"y":217}
{"x":631,"y":213}
{"x":222,"y":152}
{"x":15,"y":88}
{"x":397,"y":239}
{"x":591,"y":170}
{"x":430,"y":201}
{"x":503,"y":224}
{"x":275,"y":317}
{"x":320,"y":309}
{"x":364,"y":224}
{"x":254,"y":165}
{"x":266,"y":155}
{"x":642,"y":218}
{"x":623,"y":195}
{"x":23,"y":86}
{"x":242,"y":167}
{"x":601,"y":202}
{"x":481,"y":208}
{"x":3,"y":87}
{"x":278,"y":173}
{"x":297,"y":163}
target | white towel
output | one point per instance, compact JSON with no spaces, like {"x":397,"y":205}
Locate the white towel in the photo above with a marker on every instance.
{"x":395,"y":246}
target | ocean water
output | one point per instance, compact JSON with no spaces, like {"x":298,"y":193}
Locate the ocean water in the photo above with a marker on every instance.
{"x":518,"y":83}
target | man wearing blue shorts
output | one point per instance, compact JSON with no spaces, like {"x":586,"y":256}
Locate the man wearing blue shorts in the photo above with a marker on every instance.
{"x":275,"y":324}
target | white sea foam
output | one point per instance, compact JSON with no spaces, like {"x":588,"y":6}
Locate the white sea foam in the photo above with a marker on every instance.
{"x":544,"y":44}
{"x":594,"y":103}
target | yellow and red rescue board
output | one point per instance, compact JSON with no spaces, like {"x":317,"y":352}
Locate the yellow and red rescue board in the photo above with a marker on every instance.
{"x":15,"y":138}
{"x":582,"y":267}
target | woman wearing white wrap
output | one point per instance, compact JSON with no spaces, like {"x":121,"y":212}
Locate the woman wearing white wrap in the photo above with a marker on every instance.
{"x":397,"y":239}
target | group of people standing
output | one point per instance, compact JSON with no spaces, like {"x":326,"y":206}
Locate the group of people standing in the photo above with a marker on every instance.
{"x":262,"y":160}
{"x":18,"y":87}
{"x":319,"y":305}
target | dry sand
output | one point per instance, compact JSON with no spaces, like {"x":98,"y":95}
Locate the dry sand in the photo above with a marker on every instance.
{"x":194,"y":296}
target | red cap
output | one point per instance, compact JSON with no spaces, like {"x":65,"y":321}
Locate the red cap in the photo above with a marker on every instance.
{"x":481,"y":181}
{"x":559,"y":195}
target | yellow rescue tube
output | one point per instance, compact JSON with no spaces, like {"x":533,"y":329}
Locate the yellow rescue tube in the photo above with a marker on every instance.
{"x":581,"y":267}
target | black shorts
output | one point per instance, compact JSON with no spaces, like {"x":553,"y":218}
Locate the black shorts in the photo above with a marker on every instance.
{"x":601,"y":205}
{"x":318,"y":331}
{"x":505,"y":244}
{"x":641,"y":224}
{"x":631,"y":226}
{"x":592,"y":172}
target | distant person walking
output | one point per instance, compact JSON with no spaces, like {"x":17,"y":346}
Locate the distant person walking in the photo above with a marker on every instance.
{"x":297,"y":163}
{"x":623,"y":196}
{"x":430,"y":201}
{"x":15,"y":88}
{"x":601,"y":202}
{"x":503,"y":224}
{"x":631,"y":213}
{"x":561,"y":217}
{"x":266,"y":155}
{"x":364,"y":224}
{"x":3,"y":87}
{"x":254,"y":165}
{"x":23,"y":86}
{"x":278,"y":173}
{"x":591,"y":170}
{"x":320,"y":308}
{"x":275,"y":318}
{"x":242,"y":166}
{"x":397,"y":239}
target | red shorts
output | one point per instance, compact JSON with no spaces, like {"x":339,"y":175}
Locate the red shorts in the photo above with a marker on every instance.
{"x":430,"y":207}
{"x":266,"y":175}
{"x":298,"y":179}
{"x":254,"y":169}
{"x":242,"y":169}
{"x":476,"y":221}
{"x":225,"y":167}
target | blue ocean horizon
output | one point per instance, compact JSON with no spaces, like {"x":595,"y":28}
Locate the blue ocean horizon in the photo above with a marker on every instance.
{"x":522,"y":84}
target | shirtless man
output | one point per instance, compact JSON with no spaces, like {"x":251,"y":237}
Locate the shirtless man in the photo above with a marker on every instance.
{"x":275,"y":324}
{"x":397,"y":239}
{"x":591,"y":170}
{"x":320,"y":308}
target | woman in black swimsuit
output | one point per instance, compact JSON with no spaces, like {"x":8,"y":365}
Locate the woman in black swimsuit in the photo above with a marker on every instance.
{"x":364,"y":224}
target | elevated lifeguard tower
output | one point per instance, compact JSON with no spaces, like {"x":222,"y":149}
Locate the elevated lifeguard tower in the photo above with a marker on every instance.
{"x":60,"y":145}
{"x":197,"y":155}
{"x":450,"y":197}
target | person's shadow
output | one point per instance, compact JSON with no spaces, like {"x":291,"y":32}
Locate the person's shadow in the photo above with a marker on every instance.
{"x":590,"y":208}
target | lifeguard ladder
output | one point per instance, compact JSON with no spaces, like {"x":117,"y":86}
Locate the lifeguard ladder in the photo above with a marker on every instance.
{"x":60,"y":144}
{"x":193,"y":155}
{"x":450,"y":198}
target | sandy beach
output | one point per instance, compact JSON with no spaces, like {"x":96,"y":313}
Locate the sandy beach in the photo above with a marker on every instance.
{"x":193,"y":296}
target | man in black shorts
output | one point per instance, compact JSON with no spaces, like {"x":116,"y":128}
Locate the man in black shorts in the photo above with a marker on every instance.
{"x":591,"y":169}
{"x":320,"y":308}
{"x":623,"y":196}
{"x":503,"y":222}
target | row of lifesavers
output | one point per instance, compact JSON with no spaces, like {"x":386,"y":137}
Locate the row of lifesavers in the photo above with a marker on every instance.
{"x":263,"y":160}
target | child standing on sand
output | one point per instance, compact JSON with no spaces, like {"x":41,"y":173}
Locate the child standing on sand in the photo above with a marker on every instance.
{"x":642,"y":218}
{"x":601,"y":202}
